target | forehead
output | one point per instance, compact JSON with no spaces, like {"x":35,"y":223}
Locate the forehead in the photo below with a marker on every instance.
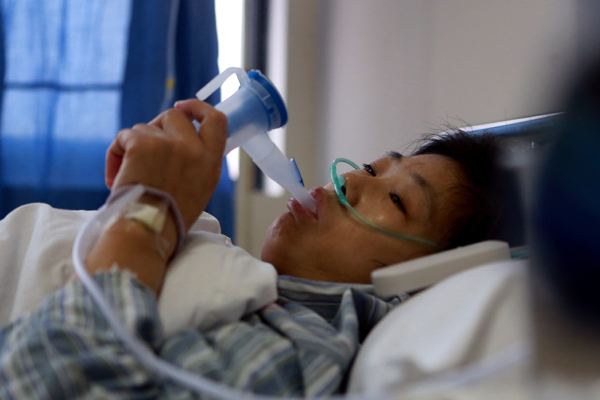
{"x":429,"y":171}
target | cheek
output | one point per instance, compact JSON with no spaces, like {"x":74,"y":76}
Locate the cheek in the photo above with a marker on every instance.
{"x":356,"y":250}
{"x":375,"y":250}
{"x":286,"y":242}
{"x":341,"y":250}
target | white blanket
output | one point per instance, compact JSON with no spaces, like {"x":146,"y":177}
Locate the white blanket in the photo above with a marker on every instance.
{"x":210,"y":283}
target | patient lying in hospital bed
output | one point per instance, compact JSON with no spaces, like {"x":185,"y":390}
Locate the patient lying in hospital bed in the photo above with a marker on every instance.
{"x":438,"y":198}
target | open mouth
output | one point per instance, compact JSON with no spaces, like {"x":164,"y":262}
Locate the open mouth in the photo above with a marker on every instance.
{"x":299,"y":211}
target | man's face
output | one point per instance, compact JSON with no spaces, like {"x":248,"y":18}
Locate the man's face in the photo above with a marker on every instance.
{"x":407,"y":195}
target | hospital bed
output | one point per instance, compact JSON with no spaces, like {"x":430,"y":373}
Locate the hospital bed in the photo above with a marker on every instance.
{"x":476,"y":325}
{"x":469,"y":334}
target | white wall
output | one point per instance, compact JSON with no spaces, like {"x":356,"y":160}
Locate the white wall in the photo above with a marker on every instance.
{"x":369,"y":76}
{"x":256,"y":211}
{"x":394,"y":69}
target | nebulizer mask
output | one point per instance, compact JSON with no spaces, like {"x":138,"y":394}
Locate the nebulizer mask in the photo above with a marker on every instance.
{"x":257,"y":107}
{"x":338,"y":183}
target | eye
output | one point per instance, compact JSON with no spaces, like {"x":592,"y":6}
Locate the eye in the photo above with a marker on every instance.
{"x":398,"y":202}
{"x":369,"y":169}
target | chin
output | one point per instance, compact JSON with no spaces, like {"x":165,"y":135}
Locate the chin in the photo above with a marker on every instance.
{"x":269,"y":255}
{"x":270,"y":248}
{"x":278,"y":247}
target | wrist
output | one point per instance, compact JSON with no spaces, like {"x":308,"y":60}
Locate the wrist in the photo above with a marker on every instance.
{"x":152,"y":196}
{"x":152,"y":218}
{"x":130,"y":246}
{"x":141,"y":238}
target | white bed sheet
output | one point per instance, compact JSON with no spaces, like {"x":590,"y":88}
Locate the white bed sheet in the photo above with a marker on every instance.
{"x":478,"y":315}
{"x":211,"y":282}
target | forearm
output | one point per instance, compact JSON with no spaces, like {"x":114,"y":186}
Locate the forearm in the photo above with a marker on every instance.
{"x":128,"y":244}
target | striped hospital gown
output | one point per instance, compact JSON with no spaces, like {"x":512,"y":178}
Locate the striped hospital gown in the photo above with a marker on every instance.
{"x":301,"y":345}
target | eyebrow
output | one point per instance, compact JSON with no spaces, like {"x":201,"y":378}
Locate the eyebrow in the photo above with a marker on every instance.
{"x":422,"y":182}
{"x":427,"y":187}
{"x":394,"y":155}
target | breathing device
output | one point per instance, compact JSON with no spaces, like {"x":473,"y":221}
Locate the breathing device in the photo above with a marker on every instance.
{"x":255,"y":108}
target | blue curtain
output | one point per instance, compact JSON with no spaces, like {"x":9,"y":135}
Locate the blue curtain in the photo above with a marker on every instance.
{"x":195,"y":64}
{"x":75,"y":73}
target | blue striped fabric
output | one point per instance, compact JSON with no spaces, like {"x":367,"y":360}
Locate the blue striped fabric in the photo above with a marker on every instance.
{"x":301,"y":345}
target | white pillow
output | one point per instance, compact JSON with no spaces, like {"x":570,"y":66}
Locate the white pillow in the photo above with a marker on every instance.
{"x":464,"y":319}
{"x":209,"y":283}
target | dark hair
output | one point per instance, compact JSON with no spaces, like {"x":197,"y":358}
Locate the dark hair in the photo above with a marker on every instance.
{"x":475,"y":208}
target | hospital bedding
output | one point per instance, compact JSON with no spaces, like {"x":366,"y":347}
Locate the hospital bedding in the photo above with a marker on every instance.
{"x":286,"y":348}
{"x":471,"y":320}
{"x":462,"y":321}
{"x":36,"y":241}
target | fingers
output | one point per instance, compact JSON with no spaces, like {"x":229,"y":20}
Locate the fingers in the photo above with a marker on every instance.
{"x":117,"y":149}
{"x":193,"y":108}
{"x":177,"y":122}
{"x":168,"y":154}
{"x":114,"y":158}
{"x":213,"y":123}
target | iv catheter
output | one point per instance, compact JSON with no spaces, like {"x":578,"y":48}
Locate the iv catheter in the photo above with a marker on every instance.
{"x":339,"y":182}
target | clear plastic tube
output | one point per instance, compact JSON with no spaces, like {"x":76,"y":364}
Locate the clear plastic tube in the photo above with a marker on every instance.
{"x":339,"y":181}
{"x":276,"y":166}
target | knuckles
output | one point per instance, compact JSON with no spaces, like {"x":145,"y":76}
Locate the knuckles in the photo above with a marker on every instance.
{"x":174,"y":148}
{"x":173,"y":113}
{"x":147,"y":145}
{"x":151,"y":143}
{"x":139,"y":127}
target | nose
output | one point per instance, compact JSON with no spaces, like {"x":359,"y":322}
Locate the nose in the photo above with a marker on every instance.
{"x":355,"y":187}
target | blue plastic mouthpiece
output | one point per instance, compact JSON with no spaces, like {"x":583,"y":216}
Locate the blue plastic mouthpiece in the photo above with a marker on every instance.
{"x":257,"y":107}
